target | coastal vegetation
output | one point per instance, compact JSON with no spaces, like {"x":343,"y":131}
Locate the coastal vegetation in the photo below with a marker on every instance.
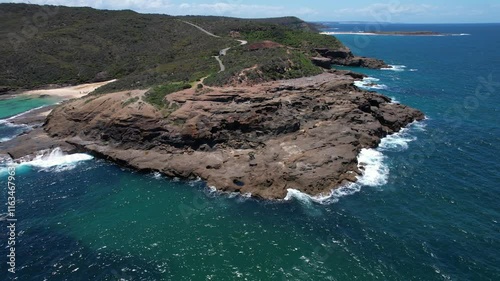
{"x":156,"y":95}
{"x":78,"y":45}
{"x":244,"y":65}
{"x":157,"y":52}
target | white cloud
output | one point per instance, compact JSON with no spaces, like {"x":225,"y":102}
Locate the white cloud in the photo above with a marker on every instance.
{"x":385,"y":12}
{"x":223,"y":8}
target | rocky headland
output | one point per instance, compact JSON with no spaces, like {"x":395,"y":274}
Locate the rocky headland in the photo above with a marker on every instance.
{"x":303,"y":133}
{"x":344,"y":56}
{"x":239,"y":103}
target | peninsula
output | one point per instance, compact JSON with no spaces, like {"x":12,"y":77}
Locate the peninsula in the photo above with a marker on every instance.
{"x":249,"y":106}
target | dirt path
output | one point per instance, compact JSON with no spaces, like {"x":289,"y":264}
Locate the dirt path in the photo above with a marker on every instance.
{"x":221,"y":64}
{"x":202,"y":29}
{"x":222,"y":52}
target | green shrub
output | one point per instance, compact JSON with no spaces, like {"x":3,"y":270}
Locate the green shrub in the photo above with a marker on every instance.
{"x":130,"y":101}
{"x":156,"y":96}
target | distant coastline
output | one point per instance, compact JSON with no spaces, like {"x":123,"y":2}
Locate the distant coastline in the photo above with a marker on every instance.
{"x":394,"y":33}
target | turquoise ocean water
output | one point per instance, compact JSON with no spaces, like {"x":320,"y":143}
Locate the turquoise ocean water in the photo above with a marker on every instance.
{"x":428,"y":210}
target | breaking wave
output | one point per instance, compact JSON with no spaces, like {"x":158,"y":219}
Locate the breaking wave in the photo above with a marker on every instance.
{"x":53,"y":160}
{"x":372,"y":164}
{"x":395,"y":68}
{"x":369,"y":83}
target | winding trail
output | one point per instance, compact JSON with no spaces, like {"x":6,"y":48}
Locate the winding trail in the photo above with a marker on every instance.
{"x":222,"y":52}
{"x":202,"y":29}
{"x":221,"y":64}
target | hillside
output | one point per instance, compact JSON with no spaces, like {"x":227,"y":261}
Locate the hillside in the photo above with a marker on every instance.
{"x":82,"y":44}
{"x":77,"y":45}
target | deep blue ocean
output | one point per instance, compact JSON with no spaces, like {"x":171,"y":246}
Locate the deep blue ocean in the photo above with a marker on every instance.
{"x":429,"y":209}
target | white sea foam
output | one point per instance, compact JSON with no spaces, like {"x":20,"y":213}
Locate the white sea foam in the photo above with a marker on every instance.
{"x":56,"y":161}
{"x":419,"y":126}
{"x":394,"y":100}
{"x":369,"y":83}
{"x":300,"y":196}
{"x":395,"y":68}
{"x":375,"y":171}
{"x":325,"y":199}
{"x":372,"y":164}
{"x":6,"y":123}
{"x":212,"y":191}
{"x":396,"y":142}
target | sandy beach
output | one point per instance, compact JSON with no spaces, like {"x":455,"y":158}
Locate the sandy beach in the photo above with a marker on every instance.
{"x":71,"y":92}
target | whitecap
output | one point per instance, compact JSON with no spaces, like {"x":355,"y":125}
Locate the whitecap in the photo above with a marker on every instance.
{"x":396,"y":142}
{"x":369,"y":83}
{"x":374,"y":170}
{"x":395,"y":68}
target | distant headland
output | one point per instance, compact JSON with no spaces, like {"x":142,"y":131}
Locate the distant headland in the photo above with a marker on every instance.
{"x":394,"y":33}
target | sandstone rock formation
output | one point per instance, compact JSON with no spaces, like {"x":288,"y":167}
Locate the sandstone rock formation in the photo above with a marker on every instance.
{"x":345,"y":57}
{"x":303,"y":134}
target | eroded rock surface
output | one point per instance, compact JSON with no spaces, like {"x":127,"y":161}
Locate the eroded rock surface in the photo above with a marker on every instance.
{"x":345,"y":57}
{"x":303,"y":134}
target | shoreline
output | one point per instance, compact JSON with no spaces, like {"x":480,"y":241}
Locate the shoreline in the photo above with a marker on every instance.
{"x":66,"y":93}
{"x":300,"y":146}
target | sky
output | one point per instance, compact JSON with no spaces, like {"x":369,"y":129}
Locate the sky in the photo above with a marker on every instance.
{"x":398,"y":11}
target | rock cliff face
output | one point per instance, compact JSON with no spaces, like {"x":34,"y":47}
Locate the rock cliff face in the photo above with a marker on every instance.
{"x":304,"y":133}
{"x":345,"y":57}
